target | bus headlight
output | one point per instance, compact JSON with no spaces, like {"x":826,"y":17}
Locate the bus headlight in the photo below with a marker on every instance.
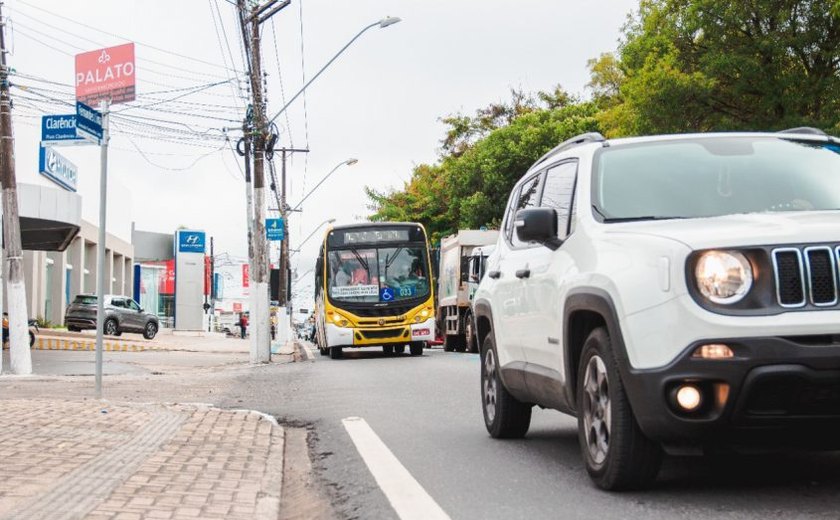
{"x":724,"y":277}
{"x":340,"y":320}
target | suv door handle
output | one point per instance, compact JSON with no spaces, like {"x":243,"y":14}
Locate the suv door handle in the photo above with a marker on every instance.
{"x":495,"y":274}
{"x":523,"y":273}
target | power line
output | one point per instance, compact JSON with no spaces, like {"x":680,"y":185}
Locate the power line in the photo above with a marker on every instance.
{"x":280,"y":78}
{"x":159,"y":49}
{"x":235,"y":91}
{"x":100,"y":44}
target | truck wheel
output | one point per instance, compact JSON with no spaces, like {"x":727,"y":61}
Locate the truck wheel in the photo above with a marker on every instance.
{"x":616,"y":453}
{"x":448,"y":343}
{"x":388,"y":350}
{"x":469,"y":334}
{"x":416,"y":348}
{"x":336,"y":353}
{"x":399,"y":349}
{"x":504,"y":416}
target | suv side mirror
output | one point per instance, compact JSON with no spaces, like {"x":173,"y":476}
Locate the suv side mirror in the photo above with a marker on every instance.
{"x":537,"y":225}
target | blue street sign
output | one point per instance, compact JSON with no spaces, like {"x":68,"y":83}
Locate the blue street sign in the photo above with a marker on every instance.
{"x":275,"y":229}
{"x":57,"y":168}
{"x":88,"y":123}
{"x":190,"y":241}
{"x":386,"y":294}
{"x":59,"y":130}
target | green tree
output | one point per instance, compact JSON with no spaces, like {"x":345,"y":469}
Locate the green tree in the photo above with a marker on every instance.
{"x":699,"y":65}
{"x":469,"y":186}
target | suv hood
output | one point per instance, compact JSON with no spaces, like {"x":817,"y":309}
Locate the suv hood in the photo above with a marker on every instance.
{"x":753,"y":229}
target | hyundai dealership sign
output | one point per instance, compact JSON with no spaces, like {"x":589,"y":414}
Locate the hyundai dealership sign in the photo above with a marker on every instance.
{"x":190,"y":241}
{"x":57,"y":168}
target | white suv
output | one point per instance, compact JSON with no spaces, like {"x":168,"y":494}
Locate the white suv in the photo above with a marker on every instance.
{"x":675,"y":293}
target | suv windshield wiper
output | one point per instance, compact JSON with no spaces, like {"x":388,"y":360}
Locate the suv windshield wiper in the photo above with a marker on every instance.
{"x":646,"y":217}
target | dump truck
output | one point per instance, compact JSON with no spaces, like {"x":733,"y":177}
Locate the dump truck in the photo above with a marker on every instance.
{"x":462,"y":258}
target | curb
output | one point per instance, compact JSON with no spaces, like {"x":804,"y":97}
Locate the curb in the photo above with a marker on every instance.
{"x":107,"y":345}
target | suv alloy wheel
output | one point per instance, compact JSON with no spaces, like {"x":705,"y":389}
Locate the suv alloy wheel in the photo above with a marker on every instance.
{"x":616,"y":452}
{"x":110,"y":328}
{"x":150,"y":330}
{"x":504,"y":416}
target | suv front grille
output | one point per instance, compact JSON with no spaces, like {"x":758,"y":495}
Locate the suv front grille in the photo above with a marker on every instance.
{"x":806,"y":276}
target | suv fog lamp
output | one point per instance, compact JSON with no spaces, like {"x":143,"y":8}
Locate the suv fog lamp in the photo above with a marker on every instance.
{"x":723,"y":277}
{"x":689,"y":398}
{"x":713,"y":351}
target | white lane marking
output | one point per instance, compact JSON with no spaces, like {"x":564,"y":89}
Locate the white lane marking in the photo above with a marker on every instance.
{"x":406,"y":495}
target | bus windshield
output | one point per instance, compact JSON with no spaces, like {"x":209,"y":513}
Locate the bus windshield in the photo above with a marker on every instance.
{"x":378,"y":274}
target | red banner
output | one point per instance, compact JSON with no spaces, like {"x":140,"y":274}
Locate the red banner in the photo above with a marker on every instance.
{"x":208,"y":279}
{"x":106,"y":74}
{"x":245,"y":278}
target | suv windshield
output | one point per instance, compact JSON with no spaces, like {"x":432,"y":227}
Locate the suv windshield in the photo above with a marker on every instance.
{"x":374,"y":275}
{"x":85,"y":300}
{"x":709,"y":177}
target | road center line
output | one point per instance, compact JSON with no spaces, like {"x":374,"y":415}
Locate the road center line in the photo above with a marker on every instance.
{"x":406,"y":495}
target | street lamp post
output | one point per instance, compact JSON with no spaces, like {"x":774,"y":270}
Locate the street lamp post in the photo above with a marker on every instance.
{"x":383,"y":23}
{"x":284,"y":255}
{"x":329,"y":221}
{"x":348,"y":162}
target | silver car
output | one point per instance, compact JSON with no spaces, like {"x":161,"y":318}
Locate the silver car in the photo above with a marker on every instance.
{"x":122,"y":314}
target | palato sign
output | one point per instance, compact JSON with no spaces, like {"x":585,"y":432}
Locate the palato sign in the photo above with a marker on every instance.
{"x":106,"y":74}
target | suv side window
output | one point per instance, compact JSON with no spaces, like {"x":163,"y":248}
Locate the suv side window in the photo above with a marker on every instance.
{"x":118,"y":302}
{"x":528,"y":197}
{"x":559,"y":194}
{"x":133,"y":305}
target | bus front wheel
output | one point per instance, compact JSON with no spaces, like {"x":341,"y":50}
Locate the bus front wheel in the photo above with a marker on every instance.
{"x":416,"y":348}
{"x":335,"y":353}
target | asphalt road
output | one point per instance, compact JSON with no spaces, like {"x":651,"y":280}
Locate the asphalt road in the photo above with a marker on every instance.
{"x":427,"y":411}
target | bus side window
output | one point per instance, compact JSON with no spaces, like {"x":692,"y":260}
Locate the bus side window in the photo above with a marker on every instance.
{"x":319,"y":274}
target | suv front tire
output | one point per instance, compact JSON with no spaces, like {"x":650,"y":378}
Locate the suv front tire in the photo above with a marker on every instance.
{"x":616,"y":453}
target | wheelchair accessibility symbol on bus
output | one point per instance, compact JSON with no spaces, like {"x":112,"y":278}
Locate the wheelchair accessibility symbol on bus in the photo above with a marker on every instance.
{"x":386,"y":294}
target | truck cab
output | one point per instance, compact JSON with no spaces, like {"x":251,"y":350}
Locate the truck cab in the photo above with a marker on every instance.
{"x":462,"y":259}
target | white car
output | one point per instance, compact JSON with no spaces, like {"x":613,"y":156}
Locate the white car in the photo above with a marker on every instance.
{"x":674,"y":293}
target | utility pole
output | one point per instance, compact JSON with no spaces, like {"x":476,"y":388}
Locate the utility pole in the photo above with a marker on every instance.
{"x":19,"y":353}
{"x":282,"y":293}
{"x":250,"y":22}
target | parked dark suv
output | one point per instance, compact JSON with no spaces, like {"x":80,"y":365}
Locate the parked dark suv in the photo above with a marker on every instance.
{"x":122,"y":314}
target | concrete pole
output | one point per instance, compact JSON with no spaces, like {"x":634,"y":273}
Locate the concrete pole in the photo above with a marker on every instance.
{"x":19,"y":353}
{"x":260,"y":328}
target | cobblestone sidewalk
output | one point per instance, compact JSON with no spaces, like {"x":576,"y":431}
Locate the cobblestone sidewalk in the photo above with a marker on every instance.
{"x":88,"y":459}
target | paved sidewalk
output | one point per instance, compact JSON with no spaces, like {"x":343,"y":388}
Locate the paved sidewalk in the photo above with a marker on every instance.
{"x":90,"y":459}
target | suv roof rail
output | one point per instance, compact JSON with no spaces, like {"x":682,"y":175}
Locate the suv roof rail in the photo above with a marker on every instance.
{"x":809,"y":130}
{"x":589,"y":137}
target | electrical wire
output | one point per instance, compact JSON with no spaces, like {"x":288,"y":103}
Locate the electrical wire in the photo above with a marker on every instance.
{"x":237,"y":93}
{"x":144,"y":44}
{"x":100,"y":44}
{"x":280,"y":79}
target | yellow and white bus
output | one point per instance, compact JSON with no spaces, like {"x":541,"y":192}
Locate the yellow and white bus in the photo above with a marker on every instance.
{"x":373,"y":287}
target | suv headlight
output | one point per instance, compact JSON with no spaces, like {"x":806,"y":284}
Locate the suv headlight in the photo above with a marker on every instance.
{"x":723,"y":277}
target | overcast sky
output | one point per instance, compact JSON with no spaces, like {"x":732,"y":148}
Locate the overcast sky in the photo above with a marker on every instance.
{"x":380,"y":102}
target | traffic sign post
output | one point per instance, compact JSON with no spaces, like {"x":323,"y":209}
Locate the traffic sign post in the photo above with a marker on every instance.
{"x":103,"y":76}
{"x":275,"y":230}
{"x":60,"y":130}
{"x":89,"y":122}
